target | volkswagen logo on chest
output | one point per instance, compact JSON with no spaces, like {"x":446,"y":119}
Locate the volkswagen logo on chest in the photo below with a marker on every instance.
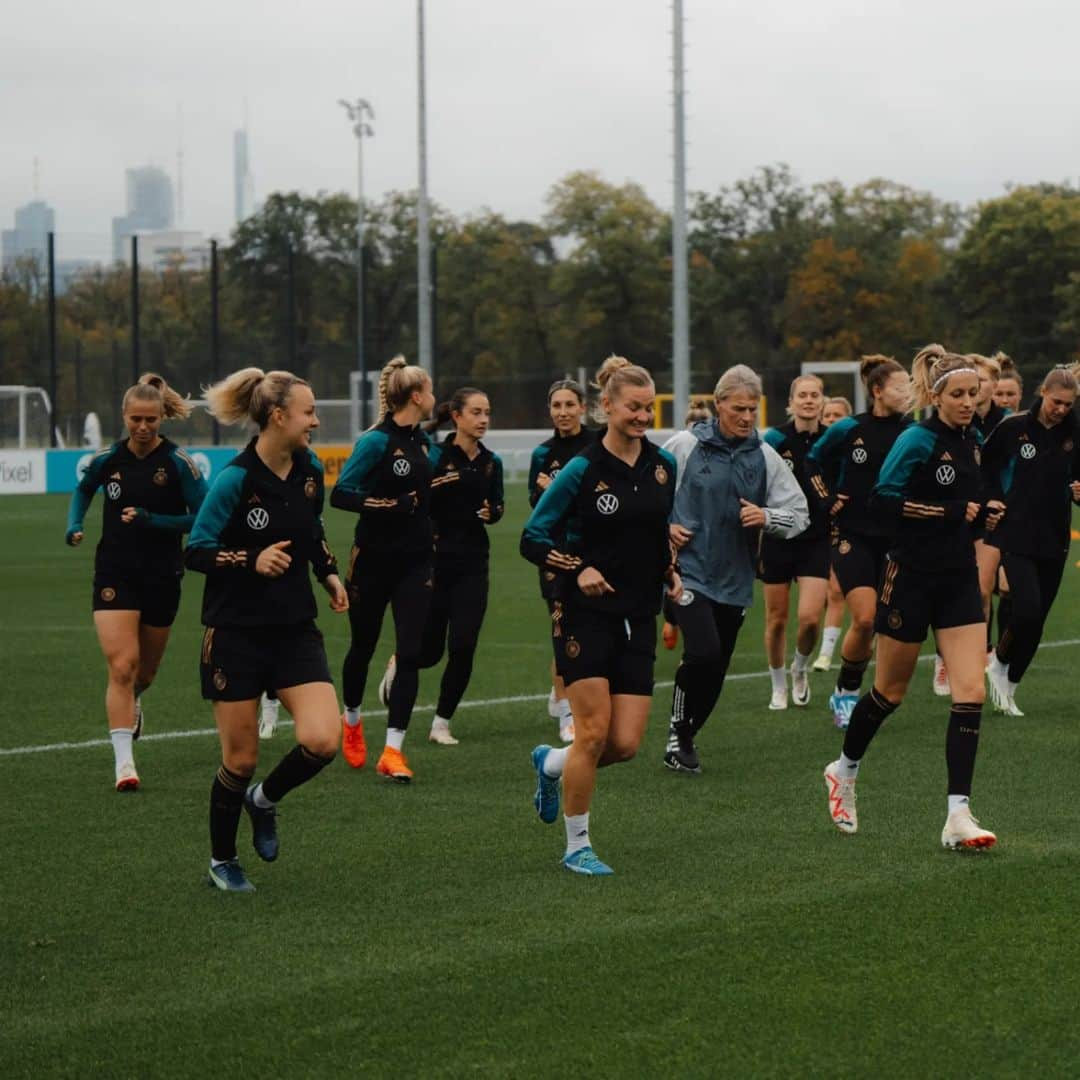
{"x":257,"y":518}
{"x":1027,"y":451}
{"x":113,"y":490}
{"x":859,"y":455}
{"x":607,"y":503}
{"x":402,"y":467}
{"x":945,"y":474}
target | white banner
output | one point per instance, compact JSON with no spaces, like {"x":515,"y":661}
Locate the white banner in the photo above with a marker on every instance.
{"x":22,"y":472}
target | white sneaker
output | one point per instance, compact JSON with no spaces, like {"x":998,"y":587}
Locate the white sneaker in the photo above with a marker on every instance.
{"x":841,"y":798}
{"x":387,"y":682}
{"x":440,"y":733}
{"x":779,"y":700}
{"x":800,"y":687}
{"x":1011,"y":708}
{"x":566,"y":732}
{"x":822,"y":663}
{"x":941,"y":678}
{"x":997,"y":675}
{"x":963,"y":831}
{"x":553,"y":705}
{"x":268,"y":717}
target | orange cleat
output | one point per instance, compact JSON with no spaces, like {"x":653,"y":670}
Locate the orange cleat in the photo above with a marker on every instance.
{"x":352,"y":744}
{"x":671,"y":635}
{"x":392,"y":764}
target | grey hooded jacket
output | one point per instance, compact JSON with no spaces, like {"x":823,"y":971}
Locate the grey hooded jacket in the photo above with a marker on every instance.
{"x":713,"y":474}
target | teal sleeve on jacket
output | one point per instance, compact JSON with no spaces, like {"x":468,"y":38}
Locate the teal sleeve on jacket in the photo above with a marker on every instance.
{"x":539,"y":535}
{"x":673,"y":467}
{"x":435,"y":454}
{"x":83,"y":495}
{"x":192,"y":487}
{"x":829,"y":445}
{"x":773,"y":437}
{"x":355,"y":483}
{"x":912,"y":449}
{"x":536,"y":466}
{"x":496,"y":500}
{"x":219,"y":505}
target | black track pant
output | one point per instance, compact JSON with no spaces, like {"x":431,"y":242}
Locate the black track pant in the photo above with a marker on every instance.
{"x":1033,"y":584}
{"x":407,"y":589}
{"x":709,"y":632}
{"x":453,"y":626}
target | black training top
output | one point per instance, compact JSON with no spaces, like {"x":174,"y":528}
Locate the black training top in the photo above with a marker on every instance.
{"x":552,"y":454}
{"x":248,"y":509}
{"x":793,"y":447}
{"x":1029,"y":468}
{"x":166,"y":487}
{"x":994,"y":415}
{"x":619,"y":515}
{"x":460,"y":488}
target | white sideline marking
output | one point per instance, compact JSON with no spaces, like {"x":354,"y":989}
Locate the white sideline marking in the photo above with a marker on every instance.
{"x":514,"y":699}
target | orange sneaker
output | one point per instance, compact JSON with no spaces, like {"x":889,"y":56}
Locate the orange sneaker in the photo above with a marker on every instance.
{"x":392,"y":764}
{"x":352,"y":743}
{"x":671,"y":635}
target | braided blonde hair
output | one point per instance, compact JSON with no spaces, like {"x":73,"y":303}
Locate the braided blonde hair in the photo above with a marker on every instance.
{"x":398,"y":381}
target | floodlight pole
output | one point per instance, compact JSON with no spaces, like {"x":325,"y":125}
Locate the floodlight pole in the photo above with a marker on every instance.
{"x":423,"y":227}
{"x":680,"y":286}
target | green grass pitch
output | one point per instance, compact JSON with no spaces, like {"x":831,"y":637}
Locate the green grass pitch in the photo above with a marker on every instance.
{"x":430,"y":931}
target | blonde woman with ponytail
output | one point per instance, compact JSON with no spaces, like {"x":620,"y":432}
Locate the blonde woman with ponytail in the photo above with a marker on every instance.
{"x":152,"y":493}
{"x":387,"y":483}
{"x":256,"y":534}
{"x":930,"y":496}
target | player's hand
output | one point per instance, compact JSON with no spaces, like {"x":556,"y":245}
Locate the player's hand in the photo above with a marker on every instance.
{"x":838,"y":506}
{"x":1074,"y":487}
{"x":995,"y":512}
{"x":75,"y":539}
{"x":680,"y":536}
{"x":543,"y":481}
{"x":591,"y":582}
{"x":129,"y":514}
{"x":339,"y":598}
{"x":674,"y":586}
{"x":751,"y":516}
{"x":972,"y":512}
{"x":274,"y":560}
{"x":484,"y":513}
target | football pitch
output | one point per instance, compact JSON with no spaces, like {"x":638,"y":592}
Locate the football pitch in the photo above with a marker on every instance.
{"x":430,"y":930}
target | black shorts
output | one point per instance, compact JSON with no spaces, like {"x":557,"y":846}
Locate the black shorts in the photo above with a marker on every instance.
{"x":598,"y":645}
{"x":156,"y":597}
{"x":859,"y":561}
{"x":913,"y":601}
{"x":785,"y":561}
{"x":239,"y":662}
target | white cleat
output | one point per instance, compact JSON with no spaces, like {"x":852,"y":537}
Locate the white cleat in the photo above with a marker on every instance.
{"x":963,"y":832}
{"x":800,"y":688}
{"x":268,"y":717}
{"x":822,"y":663}
{"x":386,"y":684}
{"x":127,"y":779}
{"x":997,"y":675}
{"x":779,"y":700}
{"x":553,"y":705}
{"x":440,"y":733}
{"x":941,"y":678}
{"x":841,"y":798}
{"x":1011,"y":708}
{"x":566,"y":732}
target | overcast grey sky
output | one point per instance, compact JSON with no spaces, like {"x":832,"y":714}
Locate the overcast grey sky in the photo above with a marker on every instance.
{"x":953,"y":96}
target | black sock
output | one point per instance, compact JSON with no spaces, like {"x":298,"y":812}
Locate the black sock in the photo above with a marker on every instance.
{"x":297,"y":767}
{"x":868,"y":715}
{"x":851,"y":673}
{"x":1004,"y":614}
{"x":961,"y":745}
{"x":226,"y":801}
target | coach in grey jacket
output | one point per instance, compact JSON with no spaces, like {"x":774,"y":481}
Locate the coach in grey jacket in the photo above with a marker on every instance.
{"x":731,"y":485}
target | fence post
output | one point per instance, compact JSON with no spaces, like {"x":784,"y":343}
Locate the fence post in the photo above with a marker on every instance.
{"x":215,"y":330}
{"x":290,"y":303}
{"x":52,"y":339}
{"x":134,"y":310}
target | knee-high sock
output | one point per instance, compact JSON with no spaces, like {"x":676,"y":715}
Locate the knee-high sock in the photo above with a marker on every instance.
{"x":851,"y":674}
{"x":868,"y":715}
{"x":961,"y":745}
{"x":226,"y":802}
{"x":297,"y":767}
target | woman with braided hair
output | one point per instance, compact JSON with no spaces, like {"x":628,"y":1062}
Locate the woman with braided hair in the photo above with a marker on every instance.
{"x":929,"y":492}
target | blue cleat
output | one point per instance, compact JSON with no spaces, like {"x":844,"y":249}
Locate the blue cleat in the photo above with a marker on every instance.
{"x":842,"y":703}
{"x":263,"y":828}
{"x":229,"y":877}
{"x":584,"y":861}
{"x":546,"y":799}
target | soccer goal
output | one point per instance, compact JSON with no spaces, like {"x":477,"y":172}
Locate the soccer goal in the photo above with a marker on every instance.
{"x":25,"y":412}
{"x":841,"y":379}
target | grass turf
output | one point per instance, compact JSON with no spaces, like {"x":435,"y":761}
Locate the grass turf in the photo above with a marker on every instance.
{"x":429,"y":930}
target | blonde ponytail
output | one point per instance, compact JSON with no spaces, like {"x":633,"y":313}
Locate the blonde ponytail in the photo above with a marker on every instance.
{"x":250,"y":394}
{"x":931,"y":366}
{"x":151,"y":387}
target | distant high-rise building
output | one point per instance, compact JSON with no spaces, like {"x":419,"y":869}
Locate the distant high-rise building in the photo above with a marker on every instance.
{"x":149,"y":207}
{"x":243,"y":181}
{"x":30,"y":237}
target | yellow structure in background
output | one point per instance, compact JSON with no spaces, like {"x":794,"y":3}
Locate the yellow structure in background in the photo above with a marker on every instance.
{"x":662,"y":417}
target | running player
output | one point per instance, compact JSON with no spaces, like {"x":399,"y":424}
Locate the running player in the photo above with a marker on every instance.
{"x":732,"y":486}
{"x":602,"y":523}
{"x":257,"y":531}
{"x":1010,"y":386}
{"x":152,"y":493}
{"x":835,"y":409}
{"x":1032,"y":462}
{"x":567,"y":406}
{"x":803,"y":560}
{"x":843,"y":466}
{"x":930,"y":490}
{"x":387,"y":481}
{"x":466,"y":497}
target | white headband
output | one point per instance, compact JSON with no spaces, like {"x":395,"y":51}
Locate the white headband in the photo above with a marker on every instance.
{"x":955,"y":371}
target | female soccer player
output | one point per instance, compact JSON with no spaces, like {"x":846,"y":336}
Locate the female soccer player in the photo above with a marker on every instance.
{"x":1032,"y":463}
{"x":152,"y":493}
{"x":803,"y":560}
{"x":1010,"y":386}
{"x":466,"y":497}
{"x":930,"y":492}
{"x":387,"y":481}
{"x":732,"y":486}
{"x":254,"y":536}
{"x":835,"y":409}
{"x":602,"y":523}
{"x":843,"y":466}
{"x":567,"y":406}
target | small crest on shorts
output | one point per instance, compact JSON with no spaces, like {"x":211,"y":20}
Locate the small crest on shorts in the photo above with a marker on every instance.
{"x":573,"y":649}
{"x":108,"y":595}
{"x":220,"y":682}
{"x":661,"y":474}
{"x":895,"y":620}
{"x":844,"y":547}
{"x":161,"y":477}
{"x":310,"y":487}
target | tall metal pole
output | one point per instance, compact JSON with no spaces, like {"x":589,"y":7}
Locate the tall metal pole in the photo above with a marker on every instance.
{"x":52,"y":339}
{"x":423,"y":233}
{"x":134,"y":310}
{"x":290,"y":303}
{"x":215,"y":331}
{"x":680,"y":286}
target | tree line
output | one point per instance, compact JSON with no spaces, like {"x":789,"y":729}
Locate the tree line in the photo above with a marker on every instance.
{"x":780,"y":272}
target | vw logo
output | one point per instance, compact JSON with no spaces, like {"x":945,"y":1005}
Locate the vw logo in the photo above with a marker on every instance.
{"x":790,"y":463}
{"x":859,"y":455}
{"x":607,"y":503}
{"x":1027,"y":451}
{"x":945,"y":474}
{"x":258,"y":518}
{"x":402,"y":467}
{"x":113,"y":490}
